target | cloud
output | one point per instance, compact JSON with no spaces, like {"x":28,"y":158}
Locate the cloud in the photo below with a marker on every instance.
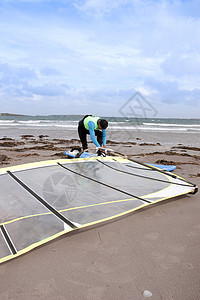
{"x":182,"y":65}
{"x":92,"y":53}
{"x":18,"y":81}
{"x":13,"y":79}
{"x":46,"y":71}
{"x":145,"y":7}
{"x":98,"y":7}
{"x":10,"y":74}
{"x":170,"y":93}
{"x":47,"y":90}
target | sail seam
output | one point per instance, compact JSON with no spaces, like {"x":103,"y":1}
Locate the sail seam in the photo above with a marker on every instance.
{"x":109,"y":186}
{"x":142,"y":176}
{"x":8,"y":240}
{"x":42,"y":201}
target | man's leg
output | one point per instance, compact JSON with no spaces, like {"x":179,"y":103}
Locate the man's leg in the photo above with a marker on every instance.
{"x":82,"y":135}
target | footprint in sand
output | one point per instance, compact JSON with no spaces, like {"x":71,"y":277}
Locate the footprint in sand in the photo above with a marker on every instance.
{"x":95,"y":293}
{"x":100,"y":268}
{"x":166,"y":261}
{"x":44,"y":288}
{"x":159,"y":213}
{"x":151,"y":236}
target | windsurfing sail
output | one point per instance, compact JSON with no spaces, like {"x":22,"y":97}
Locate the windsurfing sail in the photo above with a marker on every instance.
{"x":41,"y":201}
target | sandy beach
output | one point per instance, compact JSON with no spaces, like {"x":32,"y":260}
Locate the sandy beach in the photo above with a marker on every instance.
{"x":155,"y":249}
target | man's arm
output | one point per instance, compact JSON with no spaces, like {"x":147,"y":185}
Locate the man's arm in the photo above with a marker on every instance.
{"x":91,"y":126}
{"x":104,"y":137}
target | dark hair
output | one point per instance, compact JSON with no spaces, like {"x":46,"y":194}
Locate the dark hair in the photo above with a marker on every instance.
{"x":103,"y":123}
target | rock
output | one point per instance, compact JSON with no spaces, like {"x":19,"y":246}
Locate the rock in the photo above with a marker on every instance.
{"x":147,"y":294}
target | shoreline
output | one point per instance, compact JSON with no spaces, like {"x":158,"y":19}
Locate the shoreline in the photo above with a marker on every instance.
{"x":31,"y":148}
{"x":165,"y":137}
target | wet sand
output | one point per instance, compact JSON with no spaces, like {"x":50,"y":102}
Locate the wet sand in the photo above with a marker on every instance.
{"x":154,"y":249}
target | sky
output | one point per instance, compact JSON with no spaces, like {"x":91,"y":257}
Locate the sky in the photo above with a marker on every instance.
{"x":99,"y":57}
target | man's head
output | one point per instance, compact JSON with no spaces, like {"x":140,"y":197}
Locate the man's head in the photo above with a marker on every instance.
{"x":103,"y":124}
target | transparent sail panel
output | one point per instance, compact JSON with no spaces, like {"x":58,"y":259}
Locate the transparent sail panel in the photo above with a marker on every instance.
{"x":4,"y":250}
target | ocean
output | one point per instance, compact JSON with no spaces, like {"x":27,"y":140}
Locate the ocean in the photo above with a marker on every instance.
{"x":118,"y":123}
{"x":185,"y":131}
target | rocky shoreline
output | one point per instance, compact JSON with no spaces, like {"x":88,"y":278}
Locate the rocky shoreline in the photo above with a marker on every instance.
{"x":30,"y":148}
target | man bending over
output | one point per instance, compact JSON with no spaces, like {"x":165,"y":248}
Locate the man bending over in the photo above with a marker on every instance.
{"x":94,"y":126}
